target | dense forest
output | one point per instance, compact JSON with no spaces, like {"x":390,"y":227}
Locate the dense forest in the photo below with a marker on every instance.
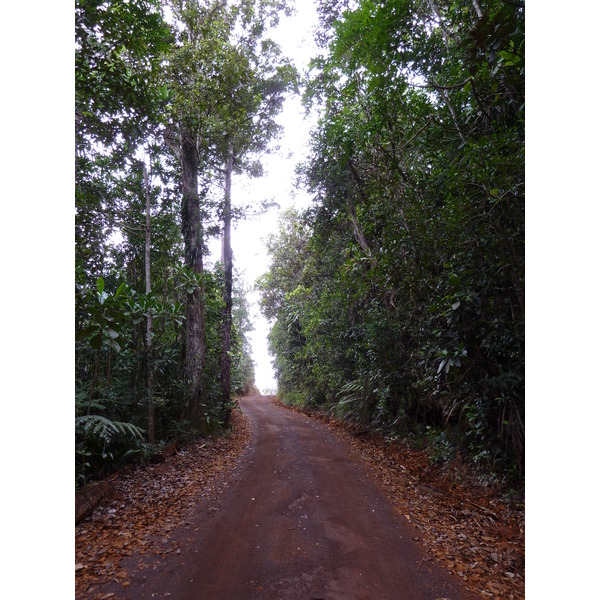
{"x":397,"y":298}
{"x":173,"y":99}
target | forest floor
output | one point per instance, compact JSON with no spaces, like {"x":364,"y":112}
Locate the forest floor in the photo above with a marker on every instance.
{"x":464,"y":523}
{"x":135,"y":535}
{"x":146,"y":505}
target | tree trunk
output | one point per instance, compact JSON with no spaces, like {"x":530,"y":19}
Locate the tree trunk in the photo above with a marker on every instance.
{"x":89,"y":497}
{"x":195,"y":329}
{"x":227,"y":258}
{"x":149,"y":364}
{"x":454,"y":117}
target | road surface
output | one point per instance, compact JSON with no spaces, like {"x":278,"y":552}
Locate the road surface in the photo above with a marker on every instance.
{"x":299,"y":519}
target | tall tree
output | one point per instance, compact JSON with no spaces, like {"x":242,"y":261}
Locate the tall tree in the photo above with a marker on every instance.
{"x":148,"y":290}
{"x":255,"y":87}
{"x":229,"y":82}
{"x":199,"y":39}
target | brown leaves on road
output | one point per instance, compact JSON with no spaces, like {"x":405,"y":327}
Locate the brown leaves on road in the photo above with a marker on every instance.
{"x":463,"y":525}
{"x":476,"y":535}
{"x":146,"y":505}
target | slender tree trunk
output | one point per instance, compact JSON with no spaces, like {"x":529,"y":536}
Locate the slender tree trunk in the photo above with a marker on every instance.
{"x":454,"y":117}
{"x":149,"y":357}
{"x":94,"y":381}
{"x":445,"y":33}
{"x":195,"y":328}
{"x":227,"y":258}
{"x":109,"y":355}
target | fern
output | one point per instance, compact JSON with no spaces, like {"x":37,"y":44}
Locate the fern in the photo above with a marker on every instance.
{"x":95,"y":434}
{"x":104,"y":429}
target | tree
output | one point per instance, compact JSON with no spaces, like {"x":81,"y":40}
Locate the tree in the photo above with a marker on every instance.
{"x":410,"y":303}
{"x":117,"y":106}
{"x":117,"y":62}
{"x":148,"y":289}
{"x":228,"y":83}
{"x":139,"y":267}
{"x":255,"y":88}
{"x":188,"y":133}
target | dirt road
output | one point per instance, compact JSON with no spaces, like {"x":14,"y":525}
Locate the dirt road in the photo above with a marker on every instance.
{"x":299,"y":520}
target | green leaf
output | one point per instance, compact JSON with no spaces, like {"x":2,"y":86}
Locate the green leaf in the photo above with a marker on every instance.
{"x":100,"y":284}
{"x":120,"y":289}
{"x":454,"y":280}
{"x":510,"y":59}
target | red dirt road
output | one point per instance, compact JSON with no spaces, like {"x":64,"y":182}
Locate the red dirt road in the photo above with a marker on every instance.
{"x":299,"y":520}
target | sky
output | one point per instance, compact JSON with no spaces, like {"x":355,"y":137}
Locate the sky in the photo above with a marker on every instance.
{"x":294,"y":35}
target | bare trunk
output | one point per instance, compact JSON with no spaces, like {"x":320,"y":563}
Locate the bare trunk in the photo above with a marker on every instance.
{"x":477,"y":9}
{"x":358,"y":232}
{"x":195,"y":331}
{"x":454,"y":118}
{"x":227,"y":258}
{"x":359,"y":236}
{"x":149,"y":363}
{"x":94,"y":382}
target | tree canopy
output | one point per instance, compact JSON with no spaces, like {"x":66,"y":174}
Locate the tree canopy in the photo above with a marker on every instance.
{"x":398,"y":297}
{"x":159,"y":101}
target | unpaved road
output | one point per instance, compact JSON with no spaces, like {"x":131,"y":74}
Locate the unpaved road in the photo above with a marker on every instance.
{"x":298,"y":520}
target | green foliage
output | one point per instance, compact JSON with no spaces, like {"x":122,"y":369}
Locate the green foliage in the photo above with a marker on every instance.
{"x":226,"y":80}
{"x":215,"y":73}
{"x":398,"y":298}
{"x":105,"y":430}
{"x":296,"y":399}
{"x":101,"y":445}
{"x":117,"y":62}
{"x":103,"y":319}
{"x":442,"y":449}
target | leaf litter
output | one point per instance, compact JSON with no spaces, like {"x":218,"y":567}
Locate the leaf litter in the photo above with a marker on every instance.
{"x":464,"y":525}
{"x":147,"y":504}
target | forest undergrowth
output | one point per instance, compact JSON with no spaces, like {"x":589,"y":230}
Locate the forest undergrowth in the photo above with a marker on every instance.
{"x":463,"y":523}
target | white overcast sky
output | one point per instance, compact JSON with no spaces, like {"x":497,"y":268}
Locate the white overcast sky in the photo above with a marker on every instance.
{"x":295,"y":36}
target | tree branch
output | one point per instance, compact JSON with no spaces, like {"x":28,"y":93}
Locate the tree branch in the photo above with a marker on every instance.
{"x":430,"y":118}
{"x":444,"y":87}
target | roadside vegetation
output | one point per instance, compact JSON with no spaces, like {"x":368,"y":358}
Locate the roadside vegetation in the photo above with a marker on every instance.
{"x":173,"y":99}
{"x":398,"y":297}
